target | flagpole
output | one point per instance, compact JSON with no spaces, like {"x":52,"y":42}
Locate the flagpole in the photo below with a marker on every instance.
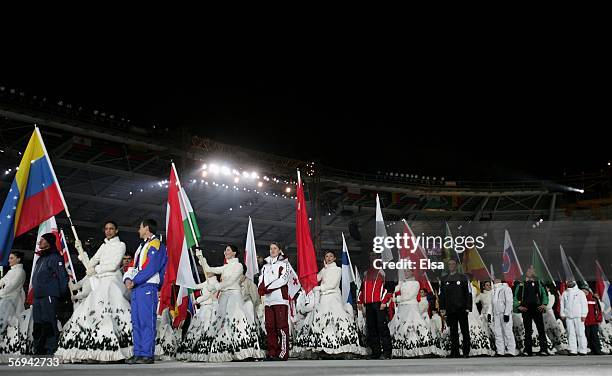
{"x":578,"y":272}
{"x":178,"y":182}
{"x":77,"y":243}
{"x":544,"y":262}
{"x":69,"y":258}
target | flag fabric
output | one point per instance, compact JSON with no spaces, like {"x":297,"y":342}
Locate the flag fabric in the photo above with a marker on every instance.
{"x":67,"y":259}
{"x":293,"y":284}
{"x":492,"y":273}
{"x":511,"y":268}
{"x":178,"y":269}
{"x":34,"y":196}
{"x":567,"y":270}
{"x":415,"y":253}
{"x":473,"y":264}
{"x":602,"y":287}
{"x":449,"y":252}
{"x":307,"y":261}
{"x":347,"y":273}
{"x":192,"y":232}
{"x":541,"y":269}
{"x":381,"y":232}
{"x":250,"y":253}
{"x":48,"y":226}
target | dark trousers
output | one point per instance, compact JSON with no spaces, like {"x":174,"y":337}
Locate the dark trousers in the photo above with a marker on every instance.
{"x":277,"y":331}
{"x":456,"y":320}
{"x":378,"y":330}
{"x":44,"y":331}
{"x":592,"y":334}
{"x":533,"y":314}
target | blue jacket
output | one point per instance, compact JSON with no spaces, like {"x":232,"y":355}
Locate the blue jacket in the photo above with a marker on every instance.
{"x":49,"y":277}
{"x":152,"y":260}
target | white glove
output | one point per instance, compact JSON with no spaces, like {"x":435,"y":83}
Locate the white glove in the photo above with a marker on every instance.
{"x":91,"y":271}
{"x":199,"y":253}
{"x":78,"y":245}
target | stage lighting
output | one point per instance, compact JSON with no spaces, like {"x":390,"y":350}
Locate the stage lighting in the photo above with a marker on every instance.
{"x":225,"y":170}
{"x":245,"y":174}
{"x":260,"y":184}
{"x":288,"y":190}
{"x":253,"y":175}
{"x":236,"y":179}
{"x":214,"y":169}
{"x":204,"y":173}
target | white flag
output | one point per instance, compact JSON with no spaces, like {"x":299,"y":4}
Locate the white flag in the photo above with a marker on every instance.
{"x":250,"y":253}
{"x":381,"y":231}
{"x":347,"y":273}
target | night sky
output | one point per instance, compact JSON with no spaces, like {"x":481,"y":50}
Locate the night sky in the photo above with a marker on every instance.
{"x":482,"y":123}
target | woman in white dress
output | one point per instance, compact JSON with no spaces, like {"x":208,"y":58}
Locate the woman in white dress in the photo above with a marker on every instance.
{"x":555,"y":332}
{"x":231,"y":335}
{"x":100,"y":329}
{"x":484,"y":298}
{"x":333,"y":331}
{"x":192,"y":347}
{"x":166,"y":337}
{"x":412,"y":336}
{"x":12,"y":299}
{"x":479,"y":337}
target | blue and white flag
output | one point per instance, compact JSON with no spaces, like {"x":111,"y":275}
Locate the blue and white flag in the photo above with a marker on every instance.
{"x":347,"y":273}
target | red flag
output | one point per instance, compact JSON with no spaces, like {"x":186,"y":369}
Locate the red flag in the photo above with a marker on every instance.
{"x":415,"y":253}
{"x":307,"y":261}
{"x":174,"y":245}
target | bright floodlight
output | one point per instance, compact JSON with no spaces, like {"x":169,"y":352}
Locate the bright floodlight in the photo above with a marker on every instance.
{"x":253,"y":175}
{"x":288,"y":190}
{"x":214,"y":169}
{"x":204,"y":166}
{"x":236,"y":179}
{"x":204,"y":174}
{"x":225,"y":170}
{"x":260,"y":184}
{"x":245,"y":174}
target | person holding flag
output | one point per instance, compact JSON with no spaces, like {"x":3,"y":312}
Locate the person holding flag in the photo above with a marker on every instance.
{"x":455,"y":304}
{"x":12,"y":298}
{"x":144,"y":280}
{"x":50,"y":285}
{"x":592,"y":321}
{"x":232,"y":336}
{"x":530,"y":299}
{"x":500,"y":312}
{"x":374,"y":297}
{"x":333,"y":331}
{"x":574,"y":309}
{"x":103,"y":309}
{"x":274,"y":280}
{"x":411,"y":334}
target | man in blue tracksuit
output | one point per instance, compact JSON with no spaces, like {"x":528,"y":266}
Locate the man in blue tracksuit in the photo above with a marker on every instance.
{"x":144,"y":280}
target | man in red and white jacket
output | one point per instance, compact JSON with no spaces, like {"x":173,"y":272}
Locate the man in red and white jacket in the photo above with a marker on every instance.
{"x":376,"y":298}
{"x":273,"y":286}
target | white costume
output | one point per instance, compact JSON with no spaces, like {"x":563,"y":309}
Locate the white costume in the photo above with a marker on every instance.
{"x":192,"y":346}
{"x":555,"y":332}
{"x":501,"y":305}
{"x":411,"y":334}
{"x":12,"y":298}
{"x":100,"y":328}
{"x":231,"y":335}
{"x":573,"y":308}
{"x":166,"y":341}
{"x":484,"y":298}
{"x":332,"y":330}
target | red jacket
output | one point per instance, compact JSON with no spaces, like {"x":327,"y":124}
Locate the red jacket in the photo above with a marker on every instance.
{"x":373,"y":288}
{"x":594,"y":316}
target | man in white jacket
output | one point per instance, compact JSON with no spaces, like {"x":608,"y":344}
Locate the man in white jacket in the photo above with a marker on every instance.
{"x":574,"y":310}
{"x":501,"y":310}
